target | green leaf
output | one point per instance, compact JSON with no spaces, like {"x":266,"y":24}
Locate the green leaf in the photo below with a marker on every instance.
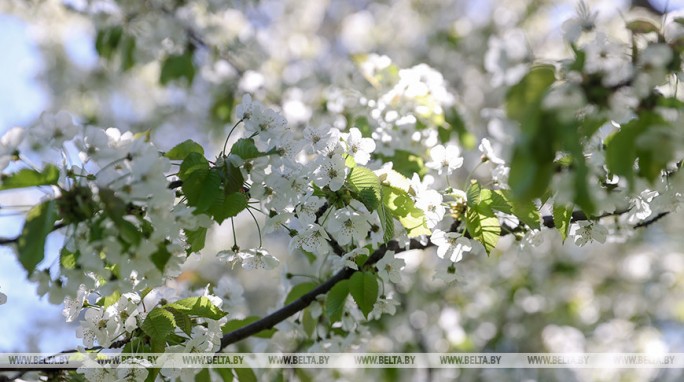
{"x":202,"y":188}
{"x":182,"y":320}
{"x":225,"y":374}
{"x":308,"y":322}
{"x":222,"y":109}
{"x":160,"y":257}
{"x":349,"y":161}
{"x":109,"y":300}
{"x":335,"y":300}
{"x":193,"y":162}
{"x":302,"y":375}
{"x":233,"y":325}
{"x":642,"y":27}
{"x":158,"y":324}
{"x":483,"y":227}
{"x":114,"y":206}
{"x":198,"y":306}
{"x":127,"y":52}
{"x":231,"y":177}
{"x":363,"y":287}
{"x":176,"y":67}
{"x":526,"y":211}
{"x":245,"y":149}
{"x":203,"y":376}
{"x":387,"y":223}
{"x":535,"y":149}
{"x":30,"y":178}
{"x":561,"y":219}
{"x":496,"y":200}
{"x":583,"y":197}
{"x":299,"y":290}
{"x":366,"y":185}
{"x":529,"y":177}
{"x":157,"y":345}
{"x":68,"y":259}
{"x":196,"y":239}
{"x":640,"y":138}
{"x":183,"y":149}
{"x":655,"y":150}
{"x":229,"y":206}
{"x":152,"y":374}
{"x":107,"y":41}
{"x":481,"y":223}
{"x":245,"y":374}
{"x":116,"y":210}
{"x":526,"y":95}
{"x":400,"y":205}
{"x":394,"y":179}
{"x":128,"y":232}
{"x":40,"y":221}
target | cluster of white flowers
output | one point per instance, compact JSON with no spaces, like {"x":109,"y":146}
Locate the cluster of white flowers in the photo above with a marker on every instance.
{"x":119,"y":208}
{"x":258,"y":258}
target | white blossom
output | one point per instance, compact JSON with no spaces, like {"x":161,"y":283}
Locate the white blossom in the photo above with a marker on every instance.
{"x":349,"y":259}
{"x":231,"y":291}
{"x":9,"y":144}
{"x":506,"y":57}
{"x":230,"y":256}
{"x":446,"y":271}
{"x":311,"y":238}
{"x":358,"y":147}
{"x":54,"y":129}
{"x":331,"y":170}
{"x":100,"y":324}
{"x":430,"y":202}
{"x":73,"y":305}
{"x":488,"y":153}
{"x":349,"y":224}
{"x":389,"y":267}
{"x":384,"y":305}
{"x":258,"y":259}
{"x":133,"y":370}
{"x":450,"y":245}
{"x":640,"y":206}
{"x":306,"y":210}
{"x":129,"y":310}
{"x":584,"y":21}
{"x":321,"y":139}
{"x":445,"y":159}
{"x":586,"y":231}
{"x":93,"y":371}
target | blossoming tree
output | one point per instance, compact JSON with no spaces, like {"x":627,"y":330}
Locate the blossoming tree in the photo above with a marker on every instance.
{"x":363,"y":162}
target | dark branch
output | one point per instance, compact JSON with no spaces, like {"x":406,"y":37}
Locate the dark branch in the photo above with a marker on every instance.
{"x":299,"y":304}
{"x":12,"y":240}
{"x":175,"y":184}
{"x":652,"y":220}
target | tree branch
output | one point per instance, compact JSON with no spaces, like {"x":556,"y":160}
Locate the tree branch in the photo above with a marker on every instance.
{"x":652,"y":220}
{"x":12,"y":240}
{"x":301,"y":303}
